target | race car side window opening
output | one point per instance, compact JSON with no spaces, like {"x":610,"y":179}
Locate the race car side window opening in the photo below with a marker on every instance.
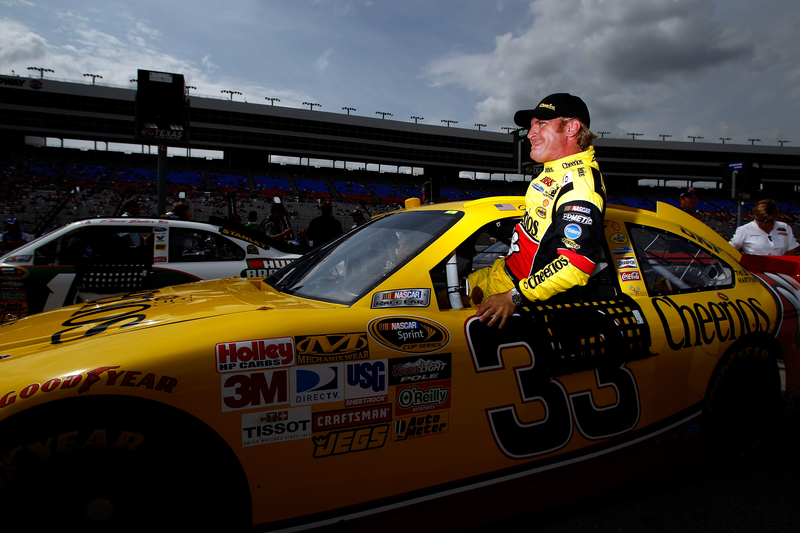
{"x":187,"y":245}
{"x":96,"y":244}
{"x":673,"y":264}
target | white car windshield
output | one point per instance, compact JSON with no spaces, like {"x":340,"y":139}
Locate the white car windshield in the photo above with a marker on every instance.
{"x":345,"y":270}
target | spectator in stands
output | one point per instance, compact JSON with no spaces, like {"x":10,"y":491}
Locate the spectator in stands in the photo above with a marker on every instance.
{"x":302,"y":238}
{"x":131,"y":208}
{"x":764,"y":235}
{"x":688,"y":201}
{"x":252,"y":220}
{"x":358,"y":218}
{"x":276,"y":225}
{"x":430,"y":193}
{"x":325,"y":227}
{"x":236,"y":218}
{"x":180,"y":210}
{"x":13,"y":237}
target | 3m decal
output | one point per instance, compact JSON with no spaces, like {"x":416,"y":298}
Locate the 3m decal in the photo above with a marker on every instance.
{"x":331,"y":348}
{"x":420,"y":426}
{"x":401,"y":298}
{"x":276,"y":426}
{"x":255,"y":389}
{"x":365,"y":379}
{"x":423,"y":397}
{"x":111,"y":374}
{"x":409,"y":334}
{"x":249,"y":355}
{"x":361,"y":416}
{"x":317,"y":384}
{"x":405,"y":370}
{"x":350,"y":441}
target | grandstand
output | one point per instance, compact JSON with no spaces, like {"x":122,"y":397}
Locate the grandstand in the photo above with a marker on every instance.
{"x":46,"y":186}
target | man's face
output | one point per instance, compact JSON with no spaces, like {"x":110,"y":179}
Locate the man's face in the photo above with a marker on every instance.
{"x":689,"y":202}
{"x":548,"y":140}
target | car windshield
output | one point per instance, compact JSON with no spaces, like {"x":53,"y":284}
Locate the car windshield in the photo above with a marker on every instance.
{"x":348,"y":268}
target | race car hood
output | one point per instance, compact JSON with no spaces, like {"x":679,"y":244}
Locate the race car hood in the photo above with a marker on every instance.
{"x":145,"y":309}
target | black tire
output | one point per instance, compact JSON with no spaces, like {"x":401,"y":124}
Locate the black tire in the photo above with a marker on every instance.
{"x":743,"y":401}
{"x":116,"y":468}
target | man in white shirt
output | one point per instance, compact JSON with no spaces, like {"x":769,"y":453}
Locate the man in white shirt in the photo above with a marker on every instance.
{"x":765,"y":235}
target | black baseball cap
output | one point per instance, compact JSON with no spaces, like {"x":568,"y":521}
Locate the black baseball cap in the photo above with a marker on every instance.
{"x":554,"y":106}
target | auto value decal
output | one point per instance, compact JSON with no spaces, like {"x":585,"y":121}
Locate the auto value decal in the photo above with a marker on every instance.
{"x":409,"y":334}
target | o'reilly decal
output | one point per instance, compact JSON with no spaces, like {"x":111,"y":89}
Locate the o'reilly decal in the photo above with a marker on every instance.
{"x":409,"y":334}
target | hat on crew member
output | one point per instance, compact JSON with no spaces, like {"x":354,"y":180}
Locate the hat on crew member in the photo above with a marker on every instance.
{"x":554,"y":106}
{"x":689,"y":192}
{"x":11,"y":221}
{"x":357,"y":213}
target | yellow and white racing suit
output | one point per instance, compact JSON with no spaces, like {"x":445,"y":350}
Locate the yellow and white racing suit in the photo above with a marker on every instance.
{"x":557,"y":244}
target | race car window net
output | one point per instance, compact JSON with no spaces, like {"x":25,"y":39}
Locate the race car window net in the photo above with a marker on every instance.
{"x":672,"y":264}
{"x":347,"y":269}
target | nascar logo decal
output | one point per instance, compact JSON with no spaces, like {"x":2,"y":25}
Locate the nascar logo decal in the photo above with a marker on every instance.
{"x":409,"y":334}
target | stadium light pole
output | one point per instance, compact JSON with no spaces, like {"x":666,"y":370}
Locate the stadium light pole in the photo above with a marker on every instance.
{"x":723,"y":139}
{"x":479,"y":126}
{"x":415,"y":122}
{"x":93,"y":76}
{"x":133,"y":80}
{"x":230,"y":92}
{"x":272,"y":100}
{"x":664,"y":136}
{"x":633,"y":135}
{"x":383,"y":116}
{"x":603,"y":134}
{"x":41,"y":70}
{"x":311,"y":105}
{"x":190,"y":87}
{"x":753,"y":141}
{"x":449,"y":122}
{"x":693,"y":137}
{"x":784,"y":142}
{"x":508,"y":129}
{"x":348,"y":109}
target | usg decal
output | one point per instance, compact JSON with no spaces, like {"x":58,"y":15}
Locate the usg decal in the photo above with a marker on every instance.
{"x":409,"y":334}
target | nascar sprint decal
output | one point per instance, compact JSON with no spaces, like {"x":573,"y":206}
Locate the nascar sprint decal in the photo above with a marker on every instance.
{"x":409,"y":334}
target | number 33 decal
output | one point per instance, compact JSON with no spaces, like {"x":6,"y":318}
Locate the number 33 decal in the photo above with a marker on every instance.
{"x":518,"y":439}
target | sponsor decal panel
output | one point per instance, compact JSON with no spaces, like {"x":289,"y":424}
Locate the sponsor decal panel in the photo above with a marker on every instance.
{"x":13,"y":273}
{"x":409,"y":334}
{"x":405,"y":370}
{"x":262,"y":268}
{"x":346,"y":418}
{"x":15,"y":302}
{"x":427,"y":425}
{"x":402,"y":298}
{"x":317,"y":384}
{"x":622,"y":250}
{"x":632,"y":275}
{"x":276,"y":426}
{"x":350,"y":440}
{"x":618,"y":238}
{"x":235,"y":356}
{"x":572,"y":231}
{"x":109,"y":376}
{"x":417,"y":398}
{"x":331,"y":348}
{"x":255,"y":389}
{"x":626,"y":262}
{"x":366,"y":382}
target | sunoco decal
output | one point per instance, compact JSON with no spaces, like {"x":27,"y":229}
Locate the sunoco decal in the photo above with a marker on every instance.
{"x":409,"y":334}
{"x":401,"y":298}
{"x":276,"y":426}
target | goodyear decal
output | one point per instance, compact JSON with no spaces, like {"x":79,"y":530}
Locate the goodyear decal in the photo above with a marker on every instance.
{"x":409,"y":334}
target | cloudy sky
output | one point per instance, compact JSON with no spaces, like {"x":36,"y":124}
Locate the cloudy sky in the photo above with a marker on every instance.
{"x":712,"y":68}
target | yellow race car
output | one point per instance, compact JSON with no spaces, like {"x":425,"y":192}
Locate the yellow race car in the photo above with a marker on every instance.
{"x":357,"y":385}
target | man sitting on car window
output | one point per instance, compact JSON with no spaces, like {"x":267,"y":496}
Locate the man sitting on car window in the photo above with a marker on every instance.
{"x":557,"y":244}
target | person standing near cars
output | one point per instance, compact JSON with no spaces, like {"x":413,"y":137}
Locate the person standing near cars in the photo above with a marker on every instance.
{"x":557,"y":244}
{"x":764,"y":235}
{"x":325,"y":227}
{"x":13,"y":237}
{"x":688,"y":201}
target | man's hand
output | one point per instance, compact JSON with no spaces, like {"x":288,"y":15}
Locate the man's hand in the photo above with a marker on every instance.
{"x":498,"y":307}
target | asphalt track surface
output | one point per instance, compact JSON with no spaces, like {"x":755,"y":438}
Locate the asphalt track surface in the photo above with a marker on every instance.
{"x":761,"y":495}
